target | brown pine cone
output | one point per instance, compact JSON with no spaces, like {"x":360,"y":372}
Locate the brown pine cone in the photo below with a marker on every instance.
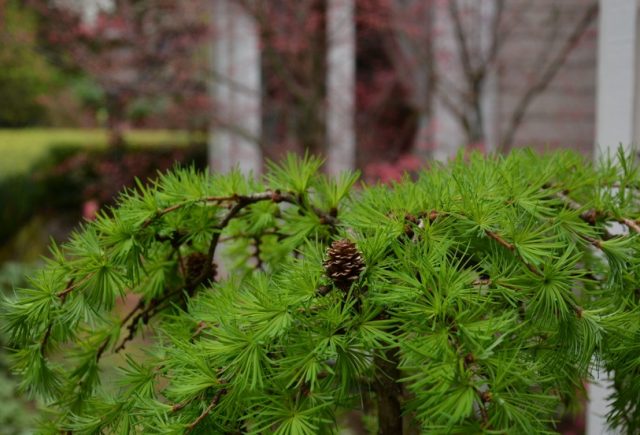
{"x":344,"y":263}
{"x":196,"y":264}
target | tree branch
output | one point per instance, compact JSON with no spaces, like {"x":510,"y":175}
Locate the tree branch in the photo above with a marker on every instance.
{"x":68,"y":289}
{"x":511,"y":247}
{"x":212,"y":404}
{"x":145,"y":314}
{"x":450,"y":104}
{"x":257,"y":241}
{"x":633,"y":225}
{"x":216,"y":199}
{"x":275,"y":196}
{"x":388,"y":392}
{"x":497,"y":39}
{"x":500,"y":240}
{"x":202,"y":325}
{"x":590,"y":215}
{"x":241,"y":201}
{"x":45,"y":338}
{"x":47,"y":334}
{"x":461,"y":38}
{"x":547,"y":76}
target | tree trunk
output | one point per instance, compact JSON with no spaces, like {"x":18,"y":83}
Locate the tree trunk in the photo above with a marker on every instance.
{"x":115,"y":139}
{"x":116,"y":107}
{"x":476,"y":135}
{"x":388,"y":392}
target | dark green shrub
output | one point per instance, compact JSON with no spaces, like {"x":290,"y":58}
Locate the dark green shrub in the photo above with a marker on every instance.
{"x":19,"y":201}
{"x":473,"y":300}
{"x":16,"y":415}
{"x":90,"y":94}
{"x":72,"y":176}
{"x":25,"y":74}
{"x":68,"y":176}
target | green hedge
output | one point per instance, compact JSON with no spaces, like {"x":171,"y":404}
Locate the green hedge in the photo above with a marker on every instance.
{"x":25,"y":73}
{"x":68,"y":176}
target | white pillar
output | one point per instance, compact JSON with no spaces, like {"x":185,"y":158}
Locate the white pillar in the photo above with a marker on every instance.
{"x":234,"y":137}
{"x":341,"y":70}
{"x":616,"y":87}
{"x":615,"y":116}
{"x":89,"y":9}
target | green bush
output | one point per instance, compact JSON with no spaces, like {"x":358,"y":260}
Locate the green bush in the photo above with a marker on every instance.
{"x":22,"y":148}
{"x":19,"y":201}
{"x":16,"y":415}
{"x":72,"y":176}
{"x":67,"y":176}
{"x":25,"y":73}
{"x":474,"y":300}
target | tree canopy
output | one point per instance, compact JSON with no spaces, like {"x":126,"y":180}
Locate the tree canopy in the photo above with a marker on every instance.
{"x":474,"y":299}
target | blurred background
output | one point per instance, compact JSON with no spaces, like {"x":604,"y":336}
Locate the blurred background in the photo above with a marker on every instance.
{"x":94,"y":93}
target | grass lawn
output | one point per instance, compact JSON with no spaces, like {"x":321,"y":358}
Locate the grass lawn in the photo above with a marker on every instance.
{"x":20,"y":148}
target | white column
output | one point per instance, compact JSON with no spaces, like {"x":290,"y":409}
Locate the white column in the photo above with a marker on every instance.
{"x":615,"y":116}
{"x":341,"y":69}
{"x":616,"y":86}
{"x":234,"y":137}
{"x":89,"y":9}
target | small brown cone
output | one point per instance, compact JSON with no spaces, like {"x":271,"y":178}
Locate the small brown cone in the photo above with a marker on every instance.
{"x":344,"y":263}
{"x":195,"y":267}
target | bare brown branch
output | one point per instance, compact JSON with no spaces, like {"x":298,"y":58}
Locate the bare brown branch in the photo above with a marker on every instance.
{"x":547,"y":75}
{"x":143,"y":313}
{"x":500,"y":240}
{"x":633,"y":225}
{"x":68,"y":289}
{"x":214,"y":199}
{"x":207,"y":411}
{"x":202,"y":325}
{"x":590,"y":215}
{"x":461,"y":39}
{"x":497,"y":38}
{"x":47,"y":333}
{"x":511,"y":247}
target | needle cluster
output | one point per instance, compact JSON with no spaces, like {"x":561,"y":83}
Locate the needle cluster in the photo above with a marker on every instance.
{"x":475,"y":299}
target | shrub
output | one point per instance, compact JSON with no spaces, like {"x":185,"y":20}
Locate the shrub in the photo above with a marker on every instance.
{"x":25,"y":74}
{"x":19,"y":196}
{"x":73,"y":176}
{"x":68,"y":176}
{"x":474,"y":299}
{"x":16,"y":415}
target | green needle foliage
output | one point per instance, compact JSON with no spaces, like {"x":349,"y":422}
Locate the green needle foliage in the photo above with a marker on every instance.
{"x":476,"y":299}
